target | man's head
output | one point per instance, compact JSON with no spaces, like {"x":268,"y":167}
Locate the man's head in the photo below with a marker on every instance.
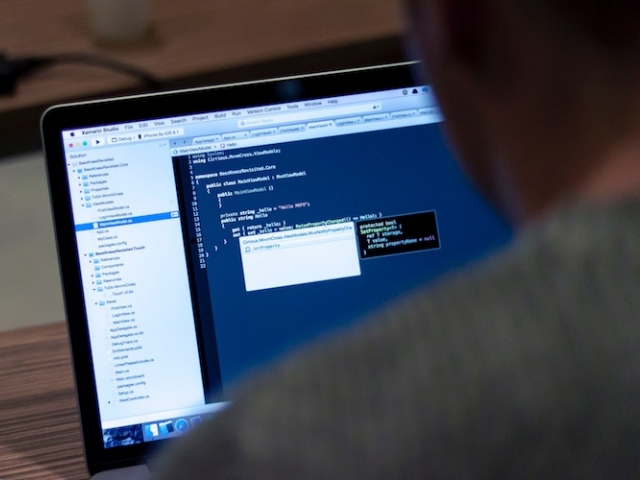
{"x":541,"y":97}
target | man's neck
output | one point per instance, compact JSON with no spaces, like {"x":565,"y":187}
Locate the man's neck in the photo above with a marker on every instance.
{"x":618,"y":177}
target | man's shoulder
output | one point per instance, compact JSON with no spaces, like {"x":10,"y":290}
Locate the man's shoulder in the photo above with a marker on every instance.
{"x":455,"y":369}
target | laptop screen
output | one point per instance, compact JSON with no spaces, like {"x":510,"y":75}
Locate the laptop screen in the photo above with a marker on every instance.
{"x":211,"y":243}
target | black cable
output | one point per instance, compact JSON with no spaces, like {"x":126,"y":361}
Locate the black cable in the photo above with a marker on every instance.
{"x":12,"y":70}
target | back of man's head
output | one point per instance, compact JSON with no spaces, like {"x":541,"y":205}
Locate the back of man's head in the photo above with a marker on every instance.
{"x":613,"y":23}
{"x":542,"y":97}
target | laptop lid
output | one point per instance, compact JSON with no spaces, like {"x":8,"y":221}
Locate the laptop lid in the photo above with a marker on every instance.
{"x":202,"y":233}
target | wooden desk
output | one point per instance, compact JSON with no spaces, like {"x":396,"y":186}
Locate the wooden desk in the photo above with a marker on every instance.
{"x":194,"y":42}
{"x":39,"y":424}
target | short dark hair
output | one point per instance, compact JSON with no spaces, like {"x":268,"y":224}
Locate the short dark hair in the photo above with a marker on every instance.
{"x":614,"y":23}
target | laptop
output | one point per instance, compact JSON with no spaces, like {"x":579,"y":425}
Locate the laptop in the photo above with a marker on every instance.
{"x":204,"y":233}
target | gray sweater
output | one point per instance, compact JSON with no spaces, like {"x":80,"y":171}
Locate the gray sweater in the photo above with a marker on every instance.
{"x":525,"y":366}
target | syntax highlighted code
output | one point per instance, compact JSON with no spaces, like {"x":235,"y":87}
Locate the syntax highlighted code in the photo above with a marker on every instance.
{"x":399,"y":234}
